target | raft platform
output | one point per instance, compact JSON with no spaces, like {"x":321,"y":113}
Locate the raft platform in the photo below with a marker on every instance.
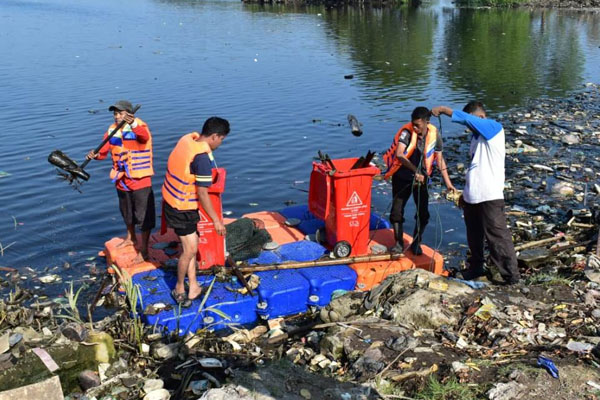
{"x":280,"y":292}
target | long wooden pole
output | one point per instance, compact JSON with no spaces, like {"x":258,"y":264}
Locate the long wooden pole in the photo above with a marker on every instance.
{"x":317,"y":263}
{"x":538,"y":242}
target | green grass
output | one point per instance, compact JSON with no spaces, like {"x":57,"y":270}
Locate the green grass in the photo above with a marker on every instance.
{"x":387,"y":388}
{"x":71,"y":311}
{"x":547,"y":280}
{"x":530,"y":370}
{"x":451,"y":390}
{"x":133,"y":296}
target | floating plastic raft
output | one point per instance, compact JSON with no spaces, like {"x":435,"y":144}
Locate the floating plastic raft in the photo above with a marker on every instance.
{"x":280,"y":293}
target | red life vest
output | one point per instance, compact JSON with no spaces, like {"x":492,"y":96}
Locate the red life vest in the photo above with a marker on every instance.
{"x":179,"y":189}
{"x":393,"y":163}
{"x":130,"y":157}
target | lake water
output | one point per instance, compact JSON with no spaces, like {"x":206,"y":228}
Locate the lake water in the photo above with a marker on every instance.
{"x":277,"y":73}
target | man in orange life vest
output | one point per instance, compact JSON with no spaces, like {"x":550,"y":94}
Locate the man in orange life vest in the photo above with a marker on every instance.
{"x":131,"y":150}
{"x":416,"y":147}
{"x":185,"y":189}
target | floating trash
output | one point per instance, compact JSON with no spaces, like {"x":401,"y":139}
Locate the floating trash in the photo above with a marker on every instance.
{"x":270,"y":246}
{"x":292,"y":222}
{"x":50,"y":278}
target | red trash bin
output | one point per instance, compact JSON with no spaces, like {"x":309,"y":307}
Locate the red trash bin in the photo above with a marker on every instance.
{"x":342,"y":198}
{"x":211,"y":246}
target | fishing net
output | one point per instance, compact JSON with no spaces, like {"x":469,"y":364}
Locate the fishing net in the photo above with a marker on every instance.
{"x":245,"y":238}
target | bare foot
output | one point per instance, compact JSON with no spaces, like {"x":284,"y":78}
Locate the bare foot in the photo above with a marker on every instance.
{"x":195,"y":293}
{"x":125,"y":243}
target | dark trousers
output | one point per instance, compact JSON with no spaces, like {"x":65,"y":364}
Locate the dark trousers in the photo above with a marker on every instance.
{"x":401,"y":191}
{"x":486,"y":221}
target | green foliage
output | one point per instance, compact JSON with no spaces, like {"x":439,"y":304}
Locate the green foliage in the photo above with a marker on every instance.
{"x":201,"y":308}
{"x":133,"y":296}
{"x":71,"y":310}
{"x":492,"y":3}
{"x":547,"y":280}
{"x":451,"y":390}
{"x":508,"y":369}
{"x":387,"y":388}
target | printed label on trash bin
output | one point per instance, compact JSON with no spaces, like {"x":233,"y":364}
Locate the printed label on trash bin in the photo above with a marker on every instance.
{"x":205,"y":225}
{"x":354,"y":200}
{"x":354,"y":208}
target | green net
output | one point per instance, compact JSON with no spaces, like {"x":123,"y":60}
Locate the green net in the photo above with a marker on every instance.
{"x":245,"y":238}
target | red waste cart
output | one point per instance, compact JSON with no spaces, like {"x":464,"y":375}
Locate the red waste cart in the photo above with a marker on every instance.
{"x":341,"y":197}
{"x":211,"y":246}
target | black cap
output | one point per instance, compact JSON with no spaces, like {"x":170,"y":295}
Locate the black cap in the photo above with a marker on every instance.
{"x":122,"y":105}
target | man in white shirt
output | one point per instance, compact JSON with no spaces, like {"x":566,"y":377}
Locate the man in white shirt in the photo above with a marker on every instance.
{"x":483,"y":197}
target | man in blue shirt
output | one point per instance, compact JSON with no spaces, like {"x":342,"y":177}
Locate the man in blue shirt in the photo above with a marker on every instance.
{"x":483,"y":196}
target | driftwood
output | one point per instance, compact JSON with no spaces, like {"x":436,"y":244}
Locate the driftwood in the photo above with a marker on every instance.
{"x":537,"y":243}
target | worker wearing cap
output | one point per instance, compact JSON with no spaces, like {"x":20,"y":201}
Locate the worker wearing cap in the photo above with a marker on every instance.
{"x":131,"y":150}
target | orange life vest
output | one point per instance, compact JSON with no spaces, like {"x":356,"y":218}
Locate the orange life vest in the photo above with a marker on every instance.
{"x":179,"y":189}
{"x":130,"y":157}
{"x":393,"y":163}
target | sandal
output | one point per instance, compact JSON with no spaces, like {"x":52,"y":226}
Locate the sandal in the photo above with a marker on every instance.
{"x":181,"y":299}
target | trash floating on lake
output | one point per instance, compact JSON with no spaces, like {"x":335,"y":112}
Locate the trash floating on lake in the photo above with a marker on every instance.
{"x":354,"y":125}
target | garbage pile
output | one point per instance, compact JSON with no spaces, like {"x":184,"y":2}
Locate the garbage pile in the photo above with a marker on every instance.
{"x":415,"y":336}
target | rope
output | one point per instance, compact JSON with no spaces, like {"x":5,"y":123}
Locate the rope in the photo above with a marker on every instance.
{"x":438,"y":243}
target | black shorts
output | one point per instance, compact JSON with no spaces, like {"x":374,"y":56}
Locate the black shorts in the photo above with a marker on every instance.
{"x":182,"y":222}
{"x":137,"y":208}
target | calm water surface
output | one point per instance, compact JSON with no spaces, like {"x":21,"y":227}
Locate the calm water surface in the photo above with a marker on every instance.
{"x":276,"y":73}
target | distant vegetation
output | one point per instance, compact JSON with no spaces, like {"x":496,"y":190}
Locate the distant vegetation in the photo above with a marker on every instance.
{"x":492,"y":3}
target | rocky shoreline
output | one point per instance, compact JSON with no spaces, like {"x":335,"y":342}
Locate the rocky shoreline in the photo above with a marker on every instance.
{"x":415,"y":336}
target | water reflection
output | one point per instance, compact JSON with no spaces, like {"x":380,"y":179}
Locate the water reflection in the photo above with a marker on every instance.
{"x":503,"y":57}
{"x":507,"y":56}
{"x":392,"y":46}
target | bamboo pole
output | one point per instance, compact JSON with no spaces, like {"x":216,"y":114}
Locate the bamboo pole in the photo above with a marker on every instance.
{"x":536,"y":243}
{"x":316,"y":263}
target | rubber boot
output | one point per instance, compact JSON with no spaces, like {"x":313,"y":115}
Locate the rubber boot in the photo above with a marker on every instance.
{"x":415,"y":246}
{"x":398,"y":235}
